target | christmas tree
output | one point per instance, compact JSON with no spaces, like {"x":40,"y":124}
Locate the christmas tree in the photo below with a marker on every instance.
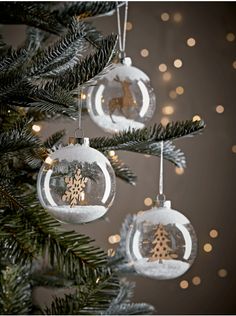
{"x":39,"y":81}
{"x":161,"y":250}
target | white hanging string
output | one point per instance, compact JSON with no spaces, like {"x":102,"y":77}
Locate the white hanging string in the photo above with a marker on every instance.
{"x":122,"y":37}
{"x":161,"y":196}
{"x":79,"y":130}
{"x":161,"y":171}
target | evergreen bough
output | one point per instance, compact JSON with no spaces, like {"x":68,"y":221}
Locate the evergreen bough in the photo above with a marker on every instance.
{"x":38,"y":81}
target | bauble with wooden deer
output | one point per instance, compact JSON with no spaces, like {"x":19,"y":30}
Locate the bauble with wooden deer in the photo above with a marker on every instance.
{"x":122,"y":99}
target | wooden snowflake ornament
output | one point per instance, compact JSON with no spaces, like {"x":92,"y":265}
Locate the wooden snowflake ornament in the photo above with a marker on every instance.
{"x":75,"y":188}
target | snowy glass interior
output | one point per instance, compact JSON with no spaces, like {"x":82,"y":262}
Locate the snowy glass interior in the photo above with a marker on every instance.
{"x":78,"y":185}
{"x":122,"y":99}
{"x":161,"y":243}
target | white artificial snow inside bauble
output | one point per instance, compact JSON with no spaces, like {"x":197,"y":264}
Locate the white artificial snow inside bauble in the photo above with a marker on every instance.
{"x":79,"y":214}
{"x":168,"y":269}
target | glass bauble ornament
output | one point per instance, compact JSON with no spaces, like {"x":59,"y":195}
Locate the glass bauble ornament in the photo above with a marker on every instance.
{"x":161,"y":243}
{"x":121,"y":99}
{"x":76,"y":184}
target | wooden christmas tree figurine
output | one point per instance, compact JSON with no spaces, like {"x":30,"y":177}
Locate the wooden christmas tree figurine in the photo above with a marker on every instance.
{"x":161,"y":249}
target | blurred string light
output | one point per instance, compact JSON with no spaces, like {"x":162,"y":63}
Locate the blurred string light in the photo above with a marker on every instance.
{"x":173,"y":94}
{"x":184,"y":284}
{"x":36,"y":128}
{"x":168,"y":110}
{"x":230,"y":37}
{"x":213,"y":233}
{"x":83,"y":96}
{"x":196,"y":118}
{"x":114,"y":239}
{"x":166,"y":76}
{"x":49,"y":160}
{"x":191,"y":42}
{"x":196,"y":280}
{"x":165,"y":120}
{"x":162,"y":68}
{"x":177,"y":17}
{"x":178,"y":63}
{"x":128,"y":26}
{"x":207,"y":247}
{"x":112,"y":153}
{"x":179,"y":171}
{"x":148,"y":201}
{"x":147,"y":156}
{"x":165,"y":17}
{"x":144,"y":52}
{"x":234,"y":149}
{"x":222,"y":273}
{"x":179,"y":90}
{"x":220,"y":109}
{"x":234,"y":64}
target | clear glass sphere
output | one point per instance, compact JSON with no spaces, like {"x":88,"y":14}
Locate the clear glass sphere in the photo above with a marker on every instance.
{"x":121,"y":99}
{"x":161,"y":243}
{"x":76,"y":184}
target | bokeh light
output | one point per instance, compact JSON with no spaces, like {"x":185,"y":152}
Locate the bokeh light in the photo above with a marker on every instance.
{"x":230,"y":37}
{"x":36,"y":128}
{"x":177,"y":17}
{"x":234,"y":149}
{"x":222,"y":273}
{"x":220,"y":109}
{"x":191,"y":42}
{"x":162,"y":67}
{"x":168,"y":110}
{"x":178,"y":63}
{"x":165,"y":120}
{"x":213,"y":233}
{"x":196,"y":118}
{"x":114,"y":239}
{"x":166,"y":76}
{"x":184,"y":284}
{"x":173,"y":94}
{"x":179,"y":171}
{"x":179,"y":90}
{"x":196,"y":280}
{"x":148,"y":201}
{"x":128,"y":26}
{"x":165,"y":16}
{"x":144,"y":52}
{"x":207,"y":247}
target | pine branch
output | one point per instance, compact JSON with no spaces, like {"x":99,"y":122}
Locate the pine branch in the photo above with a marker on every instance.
{"x":15,"y":291}
{"x":54,"y":139}
{"x":92,"y":297}
{"x":122,"y":171}
{"x":89,"y":68}
{"x":85,"y":10}
{"x":32,"y":14}
{"x":146,"y":140}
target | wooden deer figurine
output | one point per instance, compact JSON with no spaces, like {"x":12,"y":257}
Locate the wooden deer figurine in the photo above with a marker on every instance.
{"x":124,"y":102}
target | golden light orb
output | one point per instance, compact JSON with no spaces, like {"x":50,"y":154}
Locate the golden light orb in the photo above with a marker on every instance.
{"x":165,"y":16}
{"x":196,"y":118}
{"x":166,"y":76}
{"x":184,"y":284}
{"x":129,"y":26}
{"x":162,"y":68}
{"x":213,"y":233}
{"x":191,"y":42}
{"x":207,"y":247}
{"x":220,"y":109}
{"x":148,"y":201}
{"x":196,"y":280}
{"x":222,"y":273}
{"x":168,"y":110}
{"x":144,"y":52}
{"x":36,"y":128}
{"x":179,"y":171}
{"x":179,"y":90}
{"x":178,"y":63}
{"x":230,"y":37}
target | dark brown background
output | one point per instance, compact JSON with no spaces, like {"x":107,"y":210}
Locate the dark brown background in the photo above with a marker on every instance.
{"x":205,"y":192}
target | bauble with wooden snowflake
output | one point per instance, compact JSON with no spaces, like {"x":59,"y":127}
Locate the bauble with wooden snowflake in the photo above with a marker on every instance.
{"x":122,"y":99}
{"x":76,"y":183}
{"x":161,"y":243}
